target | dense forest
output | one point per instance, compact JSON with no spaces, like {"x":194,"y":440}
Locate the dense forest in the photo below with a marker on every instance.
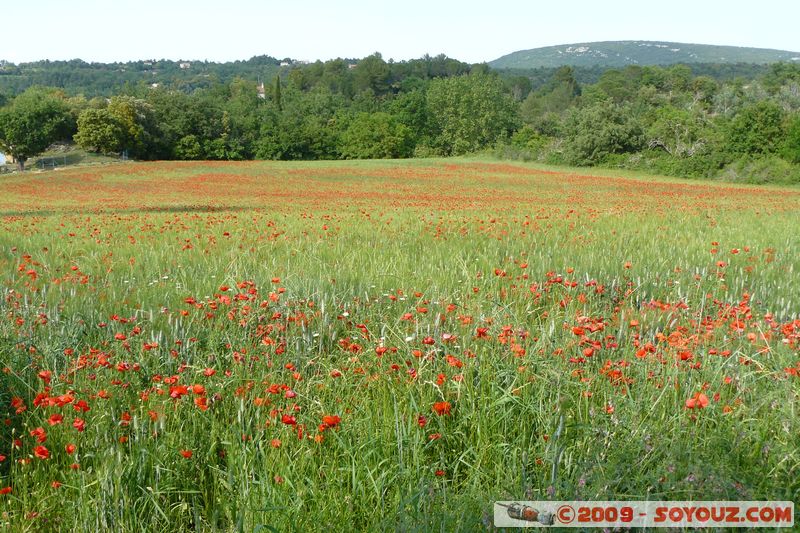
{"x":77,"y":77}
{"x":737,"y":122}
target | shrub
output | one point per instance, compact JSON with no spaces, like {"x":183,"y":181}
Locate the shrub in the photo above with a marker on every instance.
{"x":763,"y":169}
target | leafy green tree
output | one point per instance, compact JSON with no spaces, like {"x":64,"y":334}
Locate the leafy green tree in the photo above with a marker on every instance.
{"x":376,"y":136}
{"x":337,"y":78}
{"x":172,"y":111}
{"x":242,"y":109}
{"x":593,"y":133}
{"x":127,"y":123}
{"x":32,"y":122}
{"x":276,"y":93}
{"x":299,"y":79}
{"x":756,"y":129}
{"x":519,"y":87}
{"x":189,"y":148}
{"x":728,"y":100}
{"x":308,"y":128}
{"x":100,"y":131}
{"x":529,"y":141}
{"x":556,"y":96}
{"x":135,"y":117}
{"x":411,"y":109}
{"x":780,"y":75}
{"x":620,"y":84}
{"x":704,"y":89}
{"x":371,"y":73}
{"x":679,"y":78}
{"x":678,"y":132}
{"x":366,"y":101}
{"x":179,"y":115}
{"x":469,"y":112}
{"x":225,"y":147}
{"x":791,"y":144}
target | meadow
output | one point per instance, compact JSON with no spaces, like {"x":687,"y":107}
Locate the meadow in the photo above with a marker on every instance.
{"x":381,"y":345}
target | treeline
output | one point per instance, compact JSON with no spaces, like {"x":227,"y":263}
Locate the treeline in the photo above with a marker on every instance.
{"x":668,"y":121}
{"x":77,"y":77}
{"x":663,"y":119}
{"x":722,"y":72}
{"x":337,"y":109}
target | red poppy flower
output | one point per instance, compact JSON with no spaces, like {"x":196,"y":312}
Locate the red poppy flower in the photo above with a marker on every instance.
{"x":41,"y":452}
{"x":5,"y":490}
{"x":289,"y":420}
{"x":442,"y":408}
{"x":187,"y":453}
{"x":18,"y":404}
{"x":329,"y":421}
{"x":70,"y":449}
{"x":40,"y":434}
{"x":698,"y":401}
{"x":176,"y":391}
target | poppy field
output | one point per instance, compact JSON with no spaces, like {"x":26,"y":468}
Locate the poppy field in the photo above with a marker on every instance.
{"x":243,"y":346}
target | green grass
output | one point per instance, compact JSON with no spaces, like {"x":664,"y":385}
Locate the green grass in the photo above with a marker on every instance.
{"x":334,"y":260}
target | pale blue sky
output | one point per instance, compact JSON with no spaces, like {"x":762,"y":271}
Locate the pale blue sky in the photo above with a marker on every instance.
{"x":121,"y":30}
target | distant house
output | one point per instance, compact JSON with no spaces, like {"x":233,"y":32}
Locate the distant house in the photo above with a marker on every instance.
{"x":185,"y":65}
{"x":262,"y":91}
{"x":285,"y":63}
{"x":6,"y":159}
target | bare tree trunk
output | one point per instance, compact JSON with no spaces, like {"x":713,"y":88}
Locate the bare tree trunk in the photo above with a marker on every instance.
{"x":21,"y":164}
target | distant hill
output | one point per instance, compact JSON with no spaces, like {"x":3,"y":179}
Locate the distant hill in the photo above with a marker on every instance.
{"x":623,"y":53}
